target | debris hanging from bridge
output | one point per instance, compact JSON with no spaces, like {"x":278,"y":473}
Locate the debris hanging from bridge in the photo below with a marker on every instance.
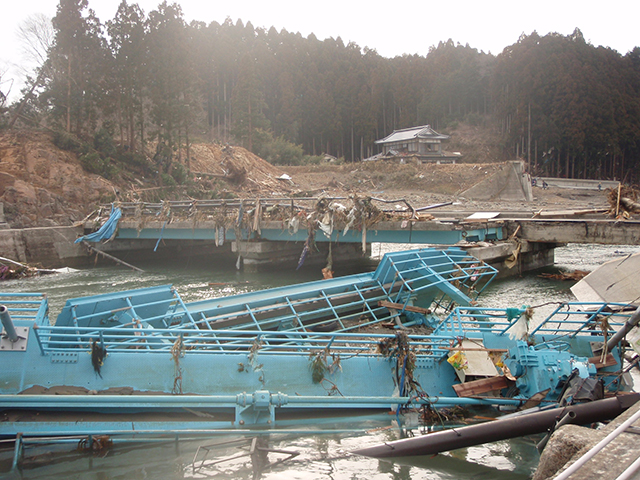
{"x":320,"y":213}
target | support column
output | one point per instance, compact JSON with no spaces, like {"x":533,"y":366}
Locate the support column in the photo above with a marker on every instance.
{"x":531,"y":256}
{"x":263,"y":255}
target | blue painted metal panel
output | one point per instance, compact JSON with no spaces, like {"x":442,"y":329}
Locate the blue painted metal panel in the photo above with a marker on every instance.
{"x":326,"y":344}
{"x":106,"y":309}
{"x":437,"y":237}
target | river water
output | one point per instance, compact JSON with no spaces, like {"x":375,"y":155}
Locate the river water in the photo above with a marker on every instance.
{"x":320,"y":455}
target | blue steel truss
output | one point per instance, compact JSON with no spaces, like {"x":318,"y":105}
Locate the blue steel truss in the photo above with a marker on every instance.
{"x":349,"y":319}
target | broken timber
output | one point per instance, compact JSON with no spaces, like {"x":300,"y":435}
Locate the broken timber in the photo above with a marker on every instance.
{"x":408,"y":308}
{"x":111,"y":257}
{"x":482,"y":385}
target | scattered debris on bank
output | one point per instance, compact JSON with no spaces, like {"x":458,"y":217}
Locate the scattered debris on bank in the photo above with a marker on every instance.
{"x":567,"y":276}
{"x":10,"y":269}
{"x":623,"y":201}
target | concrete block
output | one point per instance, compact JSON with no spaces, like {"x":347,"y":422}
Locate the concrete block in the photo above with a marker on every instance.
{"x":563,"y":445}
{"x":509,"y":183}
{"x":570,"y":443}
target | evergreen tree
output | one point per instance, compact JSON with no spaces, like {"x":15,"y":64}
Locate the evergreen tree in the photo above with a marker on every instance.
{"x":571,"y":108}
{"x":248,"y":104}
{"x":171,"y":78}
{"x":78,"y":61}
{"x":127,"y":37}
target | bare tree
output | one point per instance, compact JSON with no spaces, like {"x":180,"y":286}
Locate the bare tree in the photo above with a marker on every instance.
{"x":36,"y":36}
{"x":4,"y":90}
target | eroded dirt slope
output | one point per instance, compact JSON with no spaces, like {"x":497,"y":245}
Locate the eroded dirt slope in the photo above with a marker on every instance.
{"x":41,"y":185}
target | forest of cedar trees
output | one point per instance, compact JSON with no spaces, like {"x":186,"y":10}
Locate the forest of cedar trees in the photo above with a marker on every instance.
{"x":151,"y":78}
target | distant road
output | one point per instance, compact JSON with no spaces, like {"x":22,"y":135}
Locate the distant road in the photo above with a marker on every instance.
{"x":575,"y":183}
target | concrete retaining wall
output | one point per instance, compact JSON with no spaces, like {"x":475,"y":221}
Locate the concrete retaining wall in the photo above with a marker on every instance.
{"x":510,"y":183}
{"x":47,"y":247}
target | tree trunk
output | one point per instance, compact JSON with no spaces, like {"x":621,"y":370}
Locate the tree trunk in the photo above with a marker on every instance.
{"x":69,"y":94}
{"x":250,"y":127}
{"x":186,"y":137}
{"x":18,"y":111}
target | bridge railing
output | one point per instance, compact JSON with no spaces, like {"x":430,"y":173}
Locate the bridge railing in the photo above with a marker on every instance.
{"x":251,"y":342}
{"x":29,"y":307}
{"x":568,"y":319}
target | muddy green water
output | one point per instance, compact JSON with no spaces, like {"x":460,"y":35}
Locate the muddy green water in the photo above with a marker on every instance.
{"x":321,"y":455}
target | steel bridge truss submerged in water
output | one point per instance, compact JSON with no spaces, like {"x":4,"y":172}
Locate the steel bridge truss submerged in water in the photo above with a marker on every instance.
{"x":369,"y":341}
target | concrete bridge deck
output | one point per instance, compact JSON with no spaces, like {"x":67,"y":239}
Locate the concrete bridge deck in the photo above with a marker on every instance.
{"x":290,"y":220}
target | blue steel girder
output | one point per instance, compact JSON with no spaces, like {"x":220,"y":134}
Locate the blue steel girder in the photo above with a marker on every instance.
{"x":420,"y":232}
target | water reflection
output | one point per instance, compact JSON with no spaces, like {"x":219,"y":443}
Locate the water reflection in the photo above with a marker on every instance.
{"x":320,"y":456}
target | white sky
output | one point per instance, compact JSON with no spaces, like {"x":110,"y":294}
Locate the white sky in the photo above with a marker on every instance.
{"x":390,"y":28}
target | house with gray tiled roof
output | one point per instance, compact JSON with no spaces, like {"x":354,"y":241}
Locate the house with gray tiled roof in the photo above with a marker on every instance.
{"x":423,"y":143}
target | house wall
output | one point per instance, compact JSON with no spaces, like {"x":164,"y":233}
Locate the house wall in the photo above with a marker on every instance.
{"x":414,"y":146}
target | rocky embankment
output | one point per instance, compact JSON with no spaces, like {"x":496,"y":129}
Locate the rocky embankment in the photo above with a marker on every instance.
{"x":41,"y":185}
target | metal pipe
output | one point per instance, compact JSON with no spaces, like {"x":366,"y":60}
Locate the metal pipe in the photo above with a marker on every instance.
{"x":142,"y":402}
{"x":7,"y":323}
{"x":626,"y":328}
{"x":563,"y":421}
{"x":493,"y":431}
{"x":156,"y":435}
{"x":598,"y":446}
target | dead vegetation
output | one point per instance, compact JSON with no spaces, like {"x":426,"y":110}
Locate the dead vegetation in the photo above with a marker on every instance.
{"x":623,"y":202}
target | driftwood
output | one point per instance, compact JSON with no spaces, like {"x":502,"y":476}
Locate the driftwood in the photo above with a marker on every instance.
{"x":630,"y":205}
{"x":20,"y":270}
{"x":569,"y":213}
{"x":574,"y":276}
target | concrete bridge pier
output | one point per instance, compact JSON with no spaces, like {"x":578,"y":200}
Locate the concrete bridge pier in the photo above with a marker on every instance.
{"x":509,"y":257}
{"x":263,"y":255}
{"x":514,"y":258}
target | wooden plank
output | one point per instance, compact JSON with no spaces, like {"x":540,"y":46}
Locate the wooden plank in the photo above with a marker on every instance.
{"x":483,"y":385}
{"x":609,"y":361}
{"x":569,"y":213}
{"x":400,"y":306}
{"x":472,"y":349}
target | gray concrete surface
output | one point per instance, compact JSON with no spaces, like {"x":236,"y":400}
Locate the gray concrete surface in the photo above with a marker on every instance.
{"x":569,"y":443}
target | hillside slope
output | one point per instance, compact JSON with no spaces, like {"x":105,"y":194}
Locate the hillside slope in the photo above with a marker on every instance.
{"x":42,"y":185}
